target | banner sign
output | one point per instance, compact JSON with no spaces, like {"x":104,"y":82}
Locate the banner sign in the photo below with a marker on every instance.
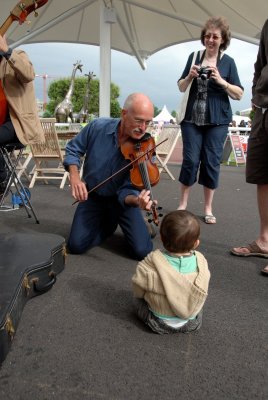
{"x":238,"y":149}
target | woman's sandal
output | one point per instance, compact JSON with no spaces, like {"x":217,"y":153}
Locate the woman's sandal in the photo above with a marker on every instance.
{"x":253,"y":248}
{"x":210,"y":219}
{"x":264,"y":271}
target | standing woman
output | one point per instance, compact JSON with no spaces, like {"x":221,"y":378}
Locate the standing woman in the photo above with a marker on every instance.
{"x":213,"y":78}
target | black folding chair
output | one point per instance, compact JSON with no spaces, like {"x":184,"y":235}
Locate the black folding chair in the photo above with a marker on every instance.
{"x":12,"y":154}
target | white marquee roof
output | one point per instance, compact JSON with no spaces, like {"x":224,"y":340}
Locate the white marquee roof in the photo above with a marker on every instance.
{"x":136,"y":27}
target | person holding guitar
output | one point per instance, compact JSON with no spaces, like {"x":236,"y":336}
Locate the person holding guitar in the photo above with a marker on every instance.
{"x":19,"y":121}
{"x":117,"y":202}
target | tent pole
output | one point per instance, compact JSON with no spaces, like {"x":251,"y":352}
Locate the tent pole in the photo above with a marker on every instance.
{"x":105,"y":63}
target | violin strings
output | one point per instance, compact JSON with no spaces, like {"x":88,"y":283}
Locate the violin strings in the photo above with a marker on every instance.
{"x":145,"y":177}
{"x":146,"y":181}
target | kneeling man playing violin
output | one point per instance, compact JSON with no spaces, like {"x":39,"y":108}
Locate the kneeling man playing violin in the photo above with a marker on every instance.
{"x":117,"y":201}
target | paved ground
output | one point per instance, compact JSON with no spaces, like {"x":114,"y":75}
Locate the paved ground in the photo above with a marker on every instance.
{"x":80,"y":340}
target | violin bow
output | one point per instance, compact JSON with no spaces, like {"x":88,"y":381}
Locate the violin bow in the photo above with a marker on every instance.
{"x":122,"y":169}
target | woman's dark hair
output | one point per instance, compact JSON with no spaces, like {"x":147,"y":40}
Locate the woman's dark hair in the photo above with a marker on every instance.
{"x":221,"y":24}
{"x":179,"y":231}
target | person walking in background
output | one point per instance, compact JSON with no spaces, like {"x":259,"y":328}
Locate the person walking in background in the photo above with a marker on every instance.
{"x":170,"y":286}
{"x":19,"y":121}
{"x":117,"y":202}
{"x":257,"y":151}
{"x":213,"y":78}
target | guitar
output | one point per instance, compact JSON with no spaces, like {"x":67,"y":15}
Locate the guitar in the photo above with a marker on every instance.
{"x":19,"y":13}
{"x":3,"y":105}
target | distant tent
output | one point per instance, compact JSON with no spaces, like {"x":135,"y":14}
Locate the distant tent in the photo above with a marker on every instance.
{"x":163,"y":116}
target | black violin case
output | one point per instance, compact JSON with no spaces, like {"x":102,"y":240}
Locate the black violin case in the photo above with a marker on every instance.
{"x":29,"y":264}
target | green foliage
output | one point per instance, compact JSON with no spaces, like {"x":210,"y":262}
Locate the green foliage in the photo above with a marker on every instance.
{"x":115,"y":109}
{"x":156,"y":111}
{"x":251,"y":114}
{"x":58,"y":89}
{"x":47,"y":114}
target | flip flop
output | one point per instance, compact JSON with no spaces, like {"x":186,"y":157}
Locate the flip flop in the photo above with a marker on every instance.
{"x":210,"y":219}
{"x":254,"y":250}
{"x":264,"y":271}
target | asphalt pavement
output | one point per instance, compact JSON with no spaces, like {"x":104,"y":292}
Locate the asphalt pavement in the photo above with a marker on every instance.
{"x":81,"y":340}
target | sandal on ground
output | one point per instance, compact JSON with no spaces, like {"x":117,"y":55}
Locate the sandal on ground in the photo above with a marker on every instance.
{"x":264,"y":271}
{"x":253,"y":249}
{"x":210,"y":219}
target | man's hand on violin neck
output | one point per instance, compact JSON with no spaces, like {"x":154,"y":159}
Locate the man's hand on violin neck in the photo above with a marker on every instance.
{"x":144,"y":200}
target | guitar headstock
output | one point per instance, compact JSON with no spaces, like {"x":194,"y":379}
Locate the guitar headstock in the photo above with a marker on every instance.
{"x":21,"y":11}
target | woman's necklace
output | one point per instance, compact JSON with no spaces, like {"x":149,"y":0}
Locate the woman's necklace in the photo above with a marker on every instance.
{"x":212,"y":61}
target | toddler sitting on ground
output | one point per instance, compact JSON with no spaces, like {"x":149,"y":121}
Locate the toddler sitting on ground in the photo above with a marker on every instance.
{"x":171,"y":286}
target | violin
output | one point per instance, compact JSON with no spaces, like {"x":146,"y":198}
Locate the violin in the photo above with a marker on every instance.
{"x":144,"y":173}
{"x":145,"y":155}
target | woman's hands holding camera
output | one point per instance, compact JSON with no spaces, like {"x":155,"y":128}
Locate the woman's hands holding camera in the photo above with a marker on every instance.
{"x":216,"y":75}
{"x":193,"y":73}
{"x":204,"y":73}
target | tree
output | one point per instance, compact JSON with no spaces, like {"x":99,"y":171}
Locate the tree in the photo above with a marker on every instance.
{"x":251,"y":114}
{"x":58,"y":89}
{"x":156,"y":111}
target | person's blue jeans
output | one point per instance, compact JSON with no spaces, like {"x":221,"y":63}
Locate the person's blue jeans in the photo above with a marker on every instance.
{"x":202,"y":151}
{"x":98,"y":217}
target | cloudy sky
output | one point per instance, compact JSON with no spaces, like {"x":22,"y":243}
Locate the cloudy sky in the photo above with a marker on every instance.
{"x":158,"y":81}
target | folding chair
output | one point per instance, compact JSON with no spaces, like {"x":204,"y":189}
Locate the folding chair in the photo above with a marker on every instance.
{"x":12,"y":154}
{"x":164,"y":150}
{"x":23,"y":163}
{"x":48,"y":156}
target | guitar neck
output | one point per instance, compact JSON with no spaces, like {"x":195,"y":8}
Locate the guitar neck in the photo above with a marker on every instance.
{"x":6,"y":25}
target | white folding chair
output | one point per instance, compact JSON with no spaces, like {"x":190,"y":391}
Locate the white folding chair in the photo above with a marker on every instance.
{"x":48,"y":156}
{"x":165,"y":150}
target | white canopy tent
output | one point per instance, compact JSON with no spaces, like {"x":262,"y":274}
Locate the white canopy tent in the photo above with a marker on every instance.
{"x":163,"y":116}
{"x":136,"y":27}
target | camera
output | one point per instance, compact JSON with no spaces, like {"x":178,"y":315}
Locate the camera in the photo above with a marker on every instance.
{"x":204,"y":73}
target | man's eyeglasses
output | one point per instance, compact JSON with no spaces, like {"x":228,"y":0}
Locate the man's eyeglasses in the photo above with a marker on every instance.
{"x":214,"y":37}
{"x":140,"y":122}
